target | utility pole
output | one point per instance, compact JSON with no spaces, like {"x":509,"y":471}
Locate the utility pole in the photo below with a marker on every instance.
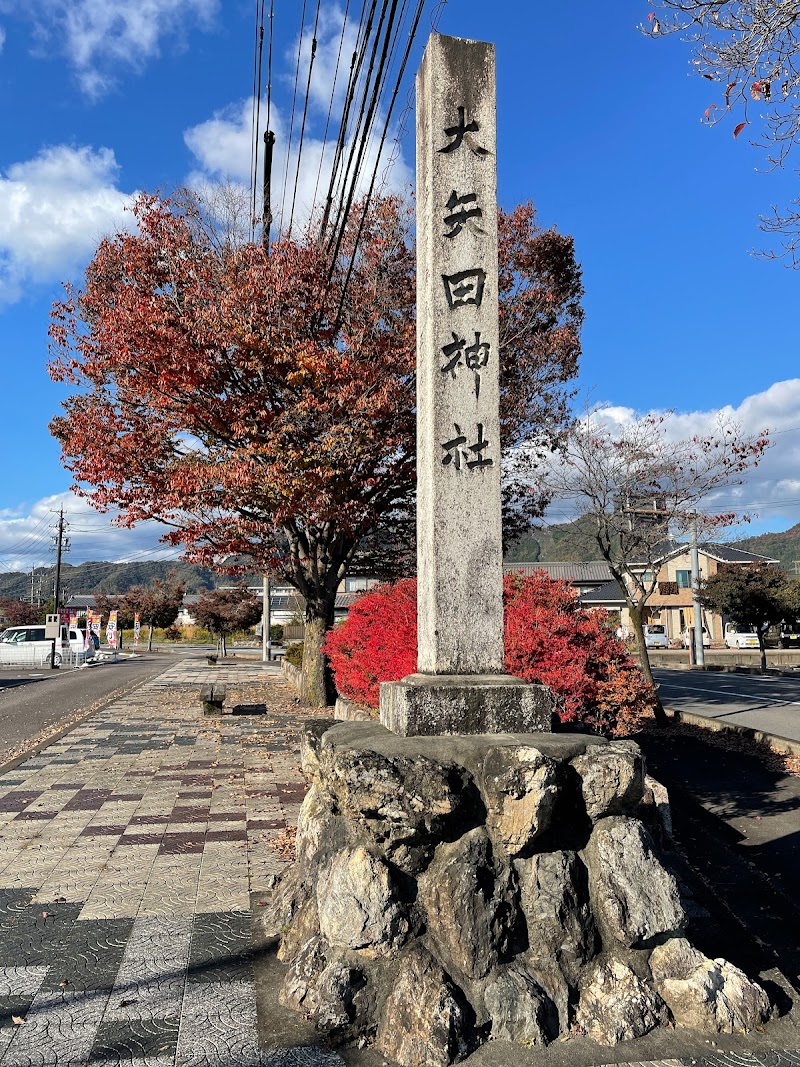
{"x":59,"y":550}
{"x":699,"y":653}
{"x":269,"y":144}
{"x":266,"y":626}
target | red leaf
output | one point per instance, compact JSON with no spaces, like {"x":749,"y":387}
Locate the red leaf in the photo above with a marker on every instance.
{"x":709,"y":109}
{"x":739,"y":129}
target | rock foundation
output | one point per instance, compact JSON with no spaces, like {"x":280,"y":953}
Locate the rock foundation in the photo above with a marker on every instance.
{"x":453,"y":890}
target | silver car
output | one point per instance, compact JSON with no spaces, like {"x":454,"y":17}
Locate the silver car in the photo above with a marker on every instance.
{"x":655,"y":636}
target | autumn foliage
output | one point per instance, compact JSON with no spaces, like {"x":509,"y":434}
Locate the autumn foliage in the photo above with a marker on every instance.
{"x":376,"y":643}
{"x":263,"y":405}
{"x":549,"y":638}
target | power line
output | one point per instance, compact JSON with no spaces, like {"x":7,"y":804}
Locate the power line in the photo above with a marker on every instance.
{"x":330,"y":105}
{"x":355,"y":68}
{"x":258,"y":49}
{"x":305,"y":114}
{"x":294,"y":105}
{"x":355,"y":156}
{"x":370,"y":191}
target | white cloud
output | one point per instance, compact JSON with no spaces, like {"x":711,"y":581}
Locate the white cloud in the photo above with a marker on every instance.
{"x":26,"y":536}
{"x":221,"y":146}
{"x":2,"y":38}
{"x":333,"y":50}
{"x":98,"y":36}
{"x":53,"y":210}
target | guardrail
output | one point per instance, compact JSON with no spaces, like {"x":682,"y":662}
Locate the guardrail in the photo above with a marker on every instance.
{"x":13,"y":654}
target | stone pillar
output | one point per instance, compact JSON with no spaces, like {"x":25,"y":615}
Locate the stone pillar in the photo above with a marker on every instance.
{"x":459,"y":540}
{"x":460,"y":687}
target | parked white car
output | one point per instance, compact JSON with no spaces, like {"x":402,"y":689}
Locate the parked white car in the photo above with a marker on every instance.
{"x":27,"y":644}
{"x":738,"y":636}
{"x":655,"y":636}
{"x":687,"y":637}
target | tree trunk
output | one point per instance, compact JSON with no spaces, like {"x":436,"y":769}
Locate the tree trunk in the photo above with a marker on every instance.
{"x":644,"y":661}
{"x":317,"y":684}
{"x":150,"y":639}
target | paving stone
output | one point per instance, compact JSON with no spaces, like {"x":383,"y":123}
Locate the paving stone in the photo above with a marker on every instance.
{"x":218,"y":1026}
{"x":221,"y":948}
{"x":136,"y":1040}
{"x":59,"y":1028}
{"x":131,"y":832}
{"x":20,"y":981}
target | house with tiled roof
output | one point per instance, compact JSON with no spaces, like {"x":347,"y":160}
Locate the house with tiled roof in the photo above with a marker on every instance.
{"x":671,"y":603}
{"x":583,"y":576}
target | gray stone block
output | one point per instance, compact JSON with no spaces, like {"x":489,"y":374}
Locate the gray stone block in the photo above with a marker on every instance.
{"x":431,"y":704}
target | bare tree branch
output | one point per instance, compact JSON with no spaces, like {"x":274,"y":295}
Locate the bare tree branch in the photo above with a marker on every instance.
{"x":751,"y":50}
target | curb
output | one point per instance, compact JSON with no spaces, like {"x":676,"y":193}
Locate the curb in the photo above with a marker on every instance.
{"x":775,"y":742}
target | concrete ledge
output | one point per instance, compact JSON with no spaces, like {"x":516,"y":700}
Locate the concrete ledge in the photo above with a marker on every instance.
{"x":434,"y":704}
{"x":346,"y":711}
{"x":293,"y":675}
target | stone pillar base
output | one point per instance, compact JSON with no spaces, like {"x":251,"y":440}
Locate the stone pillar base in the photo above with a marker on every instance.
{"x":422,"y":705}
{"x":452,"y":890}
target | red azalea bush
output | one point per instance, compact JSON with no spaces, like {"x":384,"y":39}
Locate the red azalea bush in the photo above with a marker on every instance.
{"x":549,"y":638}
{"x":376,"y":643}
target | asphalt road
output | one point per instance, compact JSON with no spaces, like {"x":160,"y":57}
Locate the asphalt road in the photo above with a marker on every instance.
{"x":35,"y":704}
{"x":764,"y":702}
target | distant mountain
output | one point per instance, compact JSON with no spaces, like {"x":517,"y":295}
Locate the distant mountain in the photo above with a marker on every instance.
{"x":103,"y":578}
{"x":783,"y":546}
{"x":568,"y":542}
{"x":574,"y":542}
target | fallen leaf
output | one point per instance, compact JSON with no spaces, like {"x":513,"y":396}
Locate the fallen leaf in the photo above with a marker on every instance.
{"x":17,"y":1020}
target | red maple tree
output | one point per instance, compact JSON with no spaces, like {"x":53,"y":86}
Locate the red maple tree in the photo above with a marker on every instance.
{"x":263,"y":406}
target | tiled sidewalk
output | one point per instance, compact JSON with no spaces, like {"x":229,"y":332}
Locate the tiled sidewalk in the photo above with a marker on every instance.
{"x":129,"y":850}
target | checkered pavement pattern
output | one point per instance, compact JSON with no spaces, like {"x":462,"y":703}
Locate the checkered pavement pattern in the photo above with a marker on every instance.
{"x":130,"y":852}
{"x":130,"y":849}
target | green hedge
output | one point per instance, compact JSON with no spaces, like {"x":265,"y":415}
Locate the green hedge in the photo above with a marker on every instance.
{"x":294,"y":654}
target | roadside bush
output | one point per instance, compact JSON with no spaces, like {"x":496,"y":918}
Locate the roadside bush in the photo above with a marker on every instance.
{"x":294,"y":654}
{"x":552,"y":640}
{"x":276,"y":633}
{"x":377,"y":642}
{"x":549,"y":639}
{"x":173,"y":633}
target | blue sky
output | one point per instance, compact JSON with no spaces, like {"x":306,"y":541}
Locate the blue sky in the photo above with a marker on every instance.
{"x":599,"y":125}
